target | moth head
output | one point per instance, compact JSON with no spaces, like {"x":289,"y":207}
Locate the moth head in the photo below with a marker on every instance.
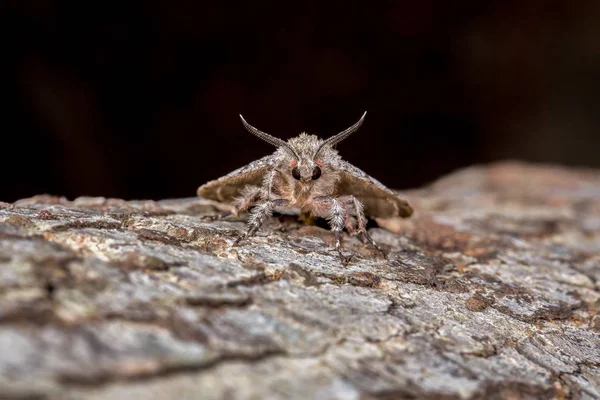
{"x":306,"y":152}
{"x":306,"y":170}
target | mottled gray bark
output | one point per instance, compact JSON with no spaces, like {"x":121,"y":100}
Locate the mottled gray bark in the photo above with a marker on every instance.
{"x":491,"y":290}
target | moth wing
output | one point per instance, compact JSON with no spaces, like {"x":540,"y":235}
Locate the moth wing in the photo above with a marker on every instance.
{"x":226,"y":188}
{"x":378,"y":200}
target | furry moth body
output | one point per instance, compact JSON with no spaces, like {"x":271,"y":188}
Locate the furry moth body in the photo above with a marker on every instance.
{"x":307,"y":173}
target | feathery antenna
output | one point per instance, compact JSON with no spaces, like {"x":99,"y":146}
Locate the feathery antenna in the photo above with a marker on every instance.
{"x":268,"y":138}
{"x":332,"y":141}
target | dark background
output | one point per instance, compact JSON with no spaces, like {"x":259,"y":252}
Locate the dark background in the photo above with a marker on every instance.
{"x":141,"y":99}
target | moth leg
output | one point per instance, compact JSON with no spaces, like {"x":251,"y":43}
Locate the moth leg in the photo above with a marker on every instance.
{"x":361,"y":222}
{"x":258,"y":216}
{"x":268,"y":183}
{"x":336,"y":214}
{"x":248,"y":196}
{"x":211,"y":218}
{"x":350,"y":221}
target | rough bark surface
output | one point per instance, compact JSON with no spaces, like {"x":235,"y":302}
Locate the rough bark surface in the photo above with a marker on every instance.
{"x":491,"y":290}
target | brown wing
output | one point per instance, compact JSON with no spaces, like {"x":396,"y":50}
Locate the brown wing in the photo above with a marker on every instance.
{"x":227,"y":187}
{"x":378,"y":200}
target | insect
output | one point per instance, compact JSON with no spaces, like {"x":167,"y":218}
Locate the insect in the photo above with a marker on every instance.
{"x":308,"y":174}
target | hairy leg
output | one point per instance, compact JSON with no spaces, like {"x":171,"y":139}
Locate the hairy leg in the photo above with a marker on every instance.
{"x":361,"y":220}
{"x":258,"y":216}
{"x":248,"y":197}
{"x":211,"y":218}
{"x":350,"y":219}
{"x":335,"y":213}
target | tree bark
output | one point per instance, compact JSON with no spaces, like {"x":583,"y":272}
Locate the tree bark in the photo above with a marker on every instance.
{"x":491,"y":290}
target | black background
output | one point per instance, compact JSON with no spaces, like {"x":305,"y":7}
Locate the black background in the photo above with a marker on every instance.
{"x":141,"y":99}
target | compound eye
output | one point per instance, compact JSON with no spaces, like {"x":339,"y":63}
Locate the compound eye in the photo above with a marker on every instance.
{"x":296,"y":173}
{"x":316,"y":173}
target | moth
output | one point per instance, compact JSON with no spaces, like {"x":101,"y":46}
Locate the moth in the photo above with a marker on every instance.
{"x":306,"y":173}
